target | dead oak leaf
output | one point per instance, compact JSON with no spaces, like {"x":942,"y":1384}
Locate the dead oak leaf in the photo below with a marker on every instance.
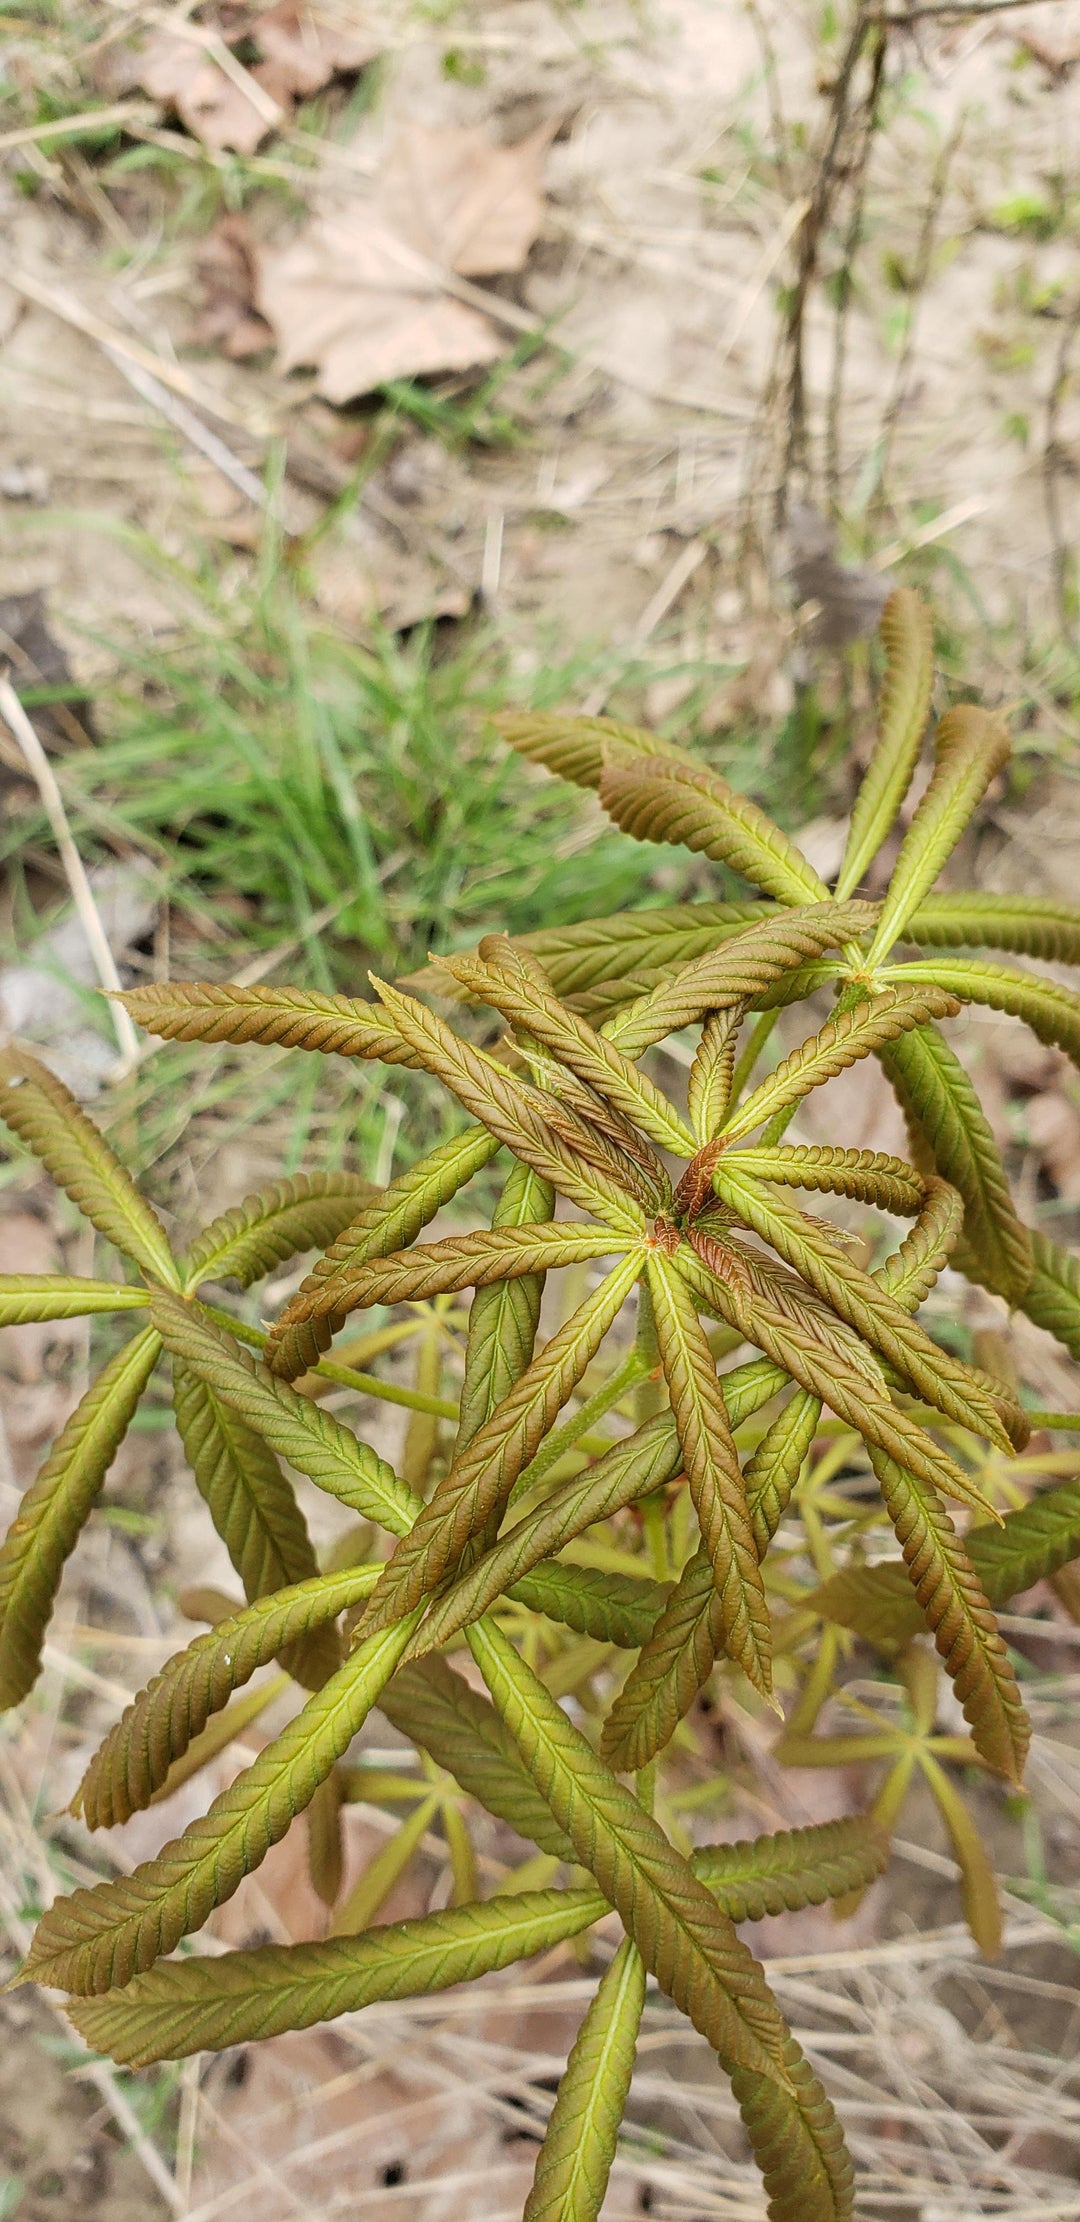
{"x":358,"y":294}
{"x":178,"y":70}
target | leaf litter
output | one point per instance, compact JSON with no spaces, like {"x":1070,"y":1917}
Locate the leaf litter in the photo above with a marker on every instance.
{"x":229,"y":107}
{"x":360,"y":292}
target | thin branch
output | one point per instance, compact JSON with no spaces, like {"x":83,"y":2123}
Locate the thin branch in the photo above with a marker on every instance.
{"x":18,"y":724}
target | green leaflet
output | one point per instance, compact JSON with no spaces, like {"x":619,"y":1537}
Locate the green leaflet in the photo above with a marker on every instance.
{"x":276,"y":1224}
{"x":252,"y":1505}
{"x":794,"y":1868}
{"x":713,"y":1472}
{"x":97,"y":1938}
{"x":683,"y":1938}
{"x":632,"y":1469}
{"x":903,"y":709}
{"x":33,"y":1296}
{"x":513,"y":1112}
{"x":574,"y":2161}
{"x":969,"y":747}
{"x":1051,"y":1011}
{"x":479,"y":1482}
{"x":660,"y":800}
{"x":827,"y":1373}
{"x":325,"y":1840}
{"x":1052,"y":1297}
{"x":590,"y":1056}
{"x":675,"y":1662}
{"x":392,"y":1219}
{"x":741,"y":969}
{"x":297,"y":1018}
{"x":45,"y":1116}
{"x":503,"y":1319}
{"x":958,"y":1616}
{"x":55,"y":1508}
{"x":1028,"y":925}
{"x":798,"y":2143}
{"x":160,"y":1724}
{"x":859,"y":1300}
{"x":841,"y":1041}
{"x":468,"y":1261}
{"x":613,"y":1608}
{"x":773,"y":1469}
{"x":204,"y":2005}
{"x":945,"y":1115}
{"x":708,"y":1089}
{"x":577,"y":957}
{"x":868,"y":1175}
{"x":575,"y":748}
{"x":461,"y":1730}
{"x":910,"y":1272}
{"x":296,"y":1428}
{"x":681,"y":1649}
{"x":1032,"y":1543}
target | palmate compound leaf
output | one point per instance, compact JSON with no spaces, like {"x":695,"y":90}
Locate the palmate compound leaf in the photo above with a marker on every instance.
{"x":251,"y":1503}
{"x":55,"y":1508}
{"x":185,"y":2006}
{"x":659,"y":799}
{"x":950,"y":1132}
{"x":849,"y":1035}
{"x":97,"y":1938}
{"x":392,"y":1218}
{"x":478,"y":1484}
{"x":970,"y":746}
{"x":693,"y":1952}
{"x":574,"y":2160}
{"x":295,"y":1427}
{"x":40,"y":1296}
{"x":294,"y":1018}
{"x":590,"y":1056}
{"x":713,"y":1472}
{"x":855,"y":1297}
{"x":903,"y":708}
{"x":742,"y":968}
{"x":294,"y":1215}
{"x":160,"y":1724}
{"x":45,"y":1116}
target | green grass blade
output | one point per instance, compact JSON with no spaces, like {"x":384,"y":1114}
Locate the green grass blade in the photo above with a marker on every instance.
{"x":56,"y":1507}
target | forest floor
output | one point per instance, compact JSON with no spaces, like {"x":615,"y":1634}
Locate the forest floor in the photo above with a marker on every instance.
{"x":764,"y":328}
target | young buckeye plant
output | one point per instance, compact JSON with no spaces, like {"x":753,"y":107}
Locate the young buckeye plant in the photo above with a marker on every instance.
{"x":720,"y":1524}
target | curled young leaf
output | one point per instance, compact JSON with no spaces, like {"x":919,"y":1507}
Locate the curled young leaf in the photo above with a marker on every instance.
{"x":658,"y":799}
{"x":950,"y":1132}
{"x":970,"y":746}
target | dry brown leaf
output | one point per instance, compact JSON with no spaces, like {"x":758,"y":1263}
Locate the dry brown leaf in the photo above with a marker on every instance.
{"x":226,"y":267}
{"x":179,"y":72}
{"x":357,"y":294}
{"x":304,"y":49}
